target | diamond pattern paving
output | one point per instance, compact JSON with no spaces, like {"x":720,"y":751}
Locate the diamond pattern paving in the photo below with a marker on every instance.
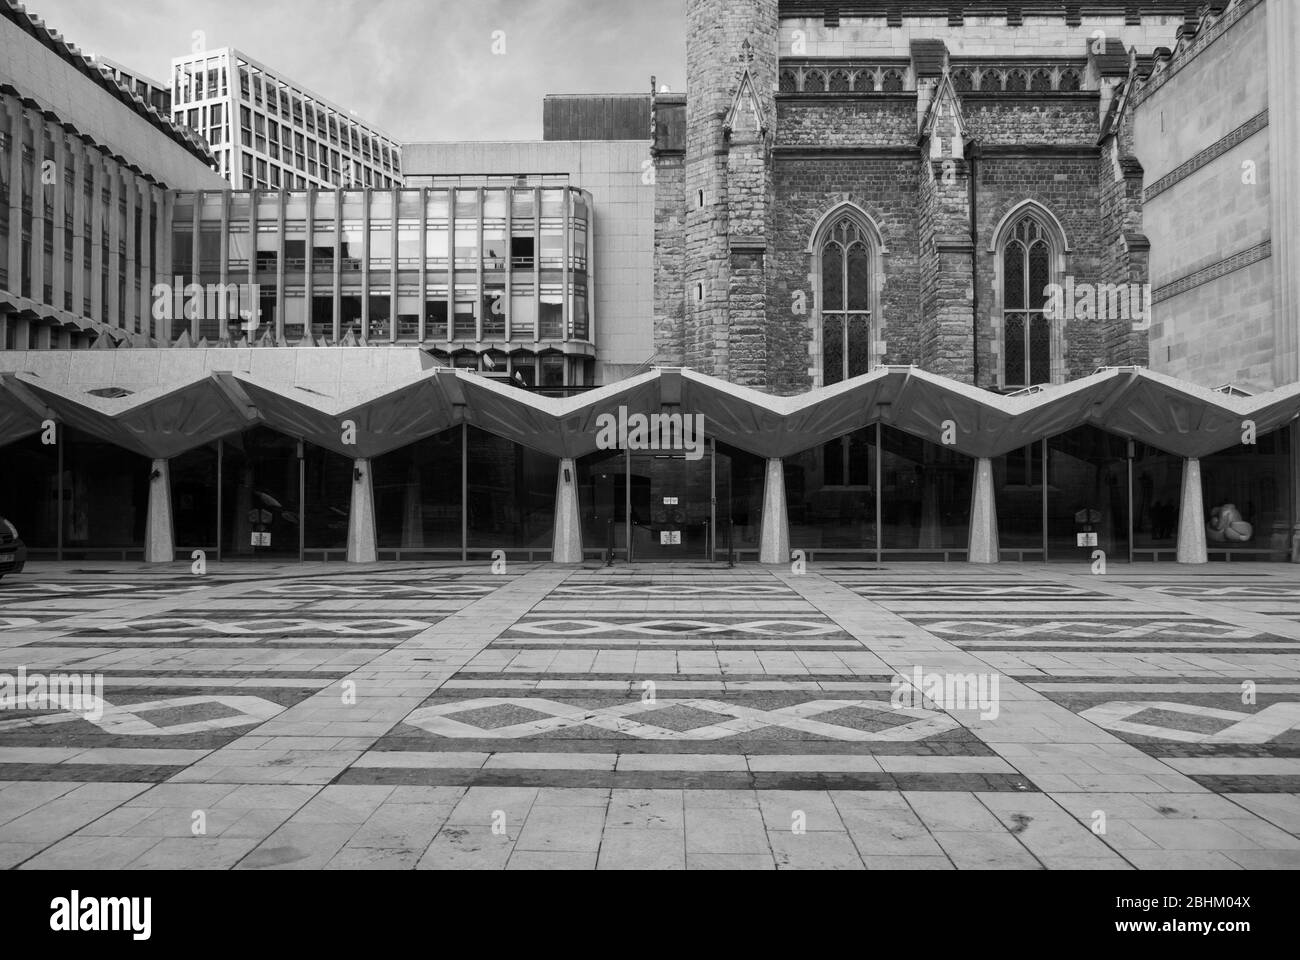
{"x":614,"y":718}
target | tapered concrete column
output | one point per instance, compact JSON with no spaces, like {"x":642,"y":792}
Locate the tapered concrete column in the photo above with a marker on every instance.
{"x":567,"y":544}
{"x":983,"y":516}
{"x":361,"y":520}
{"x":1191,"y":516}
{"x":160,"y":541}
{"x":774,"y":545}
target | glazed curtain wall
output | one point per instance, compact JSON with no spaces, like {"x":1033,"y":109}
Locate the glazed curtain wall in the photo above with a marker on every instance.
{"x":464,"y":493}
{"x":879,"y":489}
{"x":1250,"y":485}
{"x":462,"y":490}
{"x":76,"y":499}
{"x":714,"y":504}
{"x":242,"y":498}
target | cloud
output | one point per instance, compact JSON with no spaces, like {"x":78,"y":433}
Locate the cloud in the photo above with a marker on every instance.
{"x":419,"y":70}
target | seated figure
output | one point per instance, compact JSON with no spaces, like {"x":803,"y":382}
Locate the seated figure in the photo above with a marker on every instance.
{"x":1227,"y":526}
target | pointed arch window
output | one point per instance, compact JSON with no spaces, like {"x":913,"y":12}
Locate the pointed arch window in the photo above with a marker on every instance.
{"x":846,"y":301}
{"x":1027,"y":263}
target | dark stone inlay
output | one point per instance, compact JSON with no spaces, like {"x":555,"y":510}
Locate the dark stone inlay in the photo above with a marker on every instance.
{"x":1249,"y":784}
{"x":90,"y":772}
{"x":687,"y":780}
{"x":950,"y":743}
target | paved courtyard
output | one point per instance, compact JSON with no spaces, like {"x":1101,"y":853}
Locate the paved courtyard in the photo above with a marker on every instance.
{"x":416,"y":716}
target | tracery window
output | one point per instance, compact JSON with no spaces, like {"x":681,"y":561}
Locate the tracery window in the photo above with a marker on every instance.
{"x":1026,"y":331}
{"x":846,"y":274}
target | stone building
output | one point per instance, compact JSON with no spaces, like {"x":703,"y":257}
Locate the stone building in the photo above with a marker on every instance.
{"x":850,"y":185}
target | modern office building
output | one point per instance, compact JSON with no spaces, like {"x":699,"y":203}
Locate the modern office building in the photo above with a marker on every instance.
{"x":872,"y":288}
{"x":153,"y":92}
{"x":614,"y":281}
{"x":268,"y":132}
{"x":494,"y":277}
{"x":85,"y":174}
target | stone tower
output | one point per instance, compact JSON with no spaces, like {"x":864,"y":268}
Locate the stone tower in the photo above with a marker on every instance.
{"x":731,"y":72}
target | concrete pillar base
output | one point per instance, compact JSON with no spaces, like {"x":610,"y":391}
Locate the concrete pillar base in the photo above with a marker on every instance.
{"x":160,"y":541}
{"x":567,"y":544}
{"x":774,"y":541}
{"x":984,"y":547}
{"x":1191,"y":516}
{"x":362,"y":541}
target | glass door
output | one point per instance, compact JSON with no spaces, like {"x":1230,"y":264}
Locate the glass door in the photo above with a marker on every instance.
{"x":671,"y":506}
{"x":260,"y":489}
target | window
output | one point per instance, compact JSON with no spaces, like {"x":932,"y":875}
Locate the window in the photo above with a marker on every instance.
{"x":845,"y":253}
{"x":1026,"y":261}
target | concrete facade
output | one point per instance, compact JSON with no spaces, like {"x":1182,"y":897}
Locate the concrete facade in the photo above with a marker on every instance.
{"x":619,"y":178}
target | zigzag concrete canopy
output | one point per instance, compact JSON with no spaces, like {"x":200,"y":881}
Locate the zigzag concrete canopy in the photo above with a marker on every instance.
{"x":160,"y":424}
{"x":385,"y":418}
{"x":21,"y":413}
{"x":144,"y":402}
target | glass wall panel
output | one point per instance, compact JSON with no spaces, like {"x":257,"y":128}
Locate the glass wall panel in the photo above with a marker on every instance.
{"x":1018,"y":493}
{"x":1157,"y":495}
{"x":1087,"y":492}
{"x":195,"y":491}
{"x":1252,"y":487}
{"x":29,"y":491}
{"x":328,"y":481}
{"x":602,"y":501}
{"x":740,"y":481}
{"x":926,"y":493}
{"x":259,"y":490}
{"x":511,"y":496}
{"x":418,"y":495}
{"x":831,"y":494}
{"x":105,"y":495}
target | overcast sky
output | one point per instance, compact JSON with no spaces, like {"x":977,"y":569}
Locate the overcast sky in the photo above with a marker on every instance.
{"x":418,"y":69}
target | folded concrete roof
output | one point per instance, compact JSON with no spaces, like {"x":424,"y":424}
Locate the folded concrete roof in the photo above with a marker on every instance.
{"x":161,"y":408}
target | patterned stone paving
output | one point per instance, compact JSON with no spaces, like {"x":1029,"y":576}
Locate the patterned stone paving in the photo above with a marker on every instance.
{"x":426,"y":716}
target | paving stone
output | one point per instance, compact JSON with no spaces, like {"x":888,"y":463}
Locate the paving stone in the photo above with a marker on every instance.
{"x":772,"y":712}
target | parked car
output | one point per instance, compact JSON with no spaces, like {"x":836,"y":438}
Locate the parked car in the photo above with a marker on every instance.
{"x":13,"y":552}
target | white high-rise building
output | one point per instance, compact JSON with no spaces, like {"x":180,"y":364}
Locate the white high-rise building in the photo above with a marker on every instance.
{"x":269,"y":132}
